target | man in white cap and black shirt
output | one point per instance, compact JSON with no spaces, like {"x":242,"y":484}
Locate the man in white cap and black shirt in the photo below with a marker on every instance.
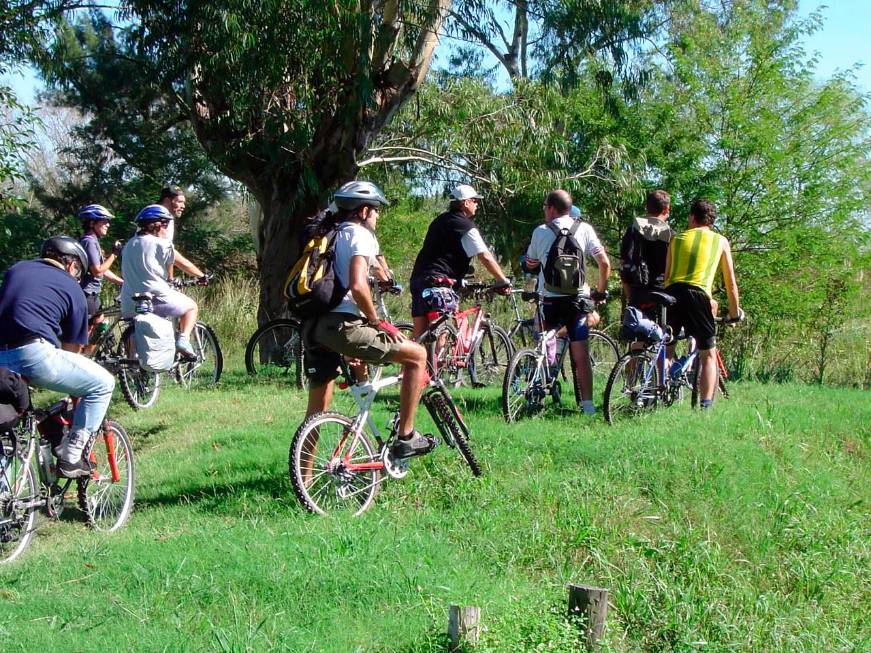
{"x":451,"y":242}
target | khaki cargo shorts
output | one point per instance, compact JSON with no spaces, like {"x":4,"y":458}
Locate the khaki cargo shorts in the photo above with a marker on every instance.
{"x":346,"y":334}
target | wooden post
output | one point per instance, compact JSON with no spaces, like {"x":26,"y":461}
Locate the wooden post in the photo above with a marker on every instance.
{"x":591,"y":603}
{"x":464,"y":625}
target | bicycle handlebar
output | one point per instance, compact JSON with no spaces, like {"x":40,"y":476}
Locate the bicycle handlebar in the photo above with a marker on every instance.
{"x":199,"y":281}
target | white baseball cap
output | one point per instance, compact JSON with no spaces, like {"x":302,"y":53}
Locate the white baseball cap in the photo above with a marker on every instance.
{"x":464,"y":192}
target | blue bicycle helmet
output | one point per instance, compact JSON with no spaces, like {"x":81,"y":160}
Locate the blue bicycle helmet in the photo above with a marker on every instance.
{"x":575,"y":212}
{"x":94,"y":212}
{"x":152,"y":213}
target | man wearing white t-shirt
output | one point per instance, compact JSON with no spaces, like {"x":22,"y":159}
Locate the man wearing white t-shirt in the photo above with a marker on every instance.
{"x":173,"y":200}
{"x":563,"y":310}
{"x":353,"y":328}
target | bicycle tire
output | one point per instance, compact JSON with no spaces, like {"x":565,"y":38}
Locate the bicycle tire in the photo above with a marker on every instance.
{"x":105,"y":501}
{"x":315,"y":499}
{"x":487,"y":364}
{"x":139,"y":387}
{"x":519,"y":383}
{"x":447,"y":418}
{"x":16,"y":527}
{"x":631,"y":389}
{"x":283,"y":336}
{"x":439,"y":354}
{"x":200,"y":372}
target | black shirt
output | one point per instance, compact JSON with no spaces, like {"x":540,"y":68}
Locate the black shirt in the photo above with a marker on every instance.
{"x":442,"y":254}
{"x":38,"y":299}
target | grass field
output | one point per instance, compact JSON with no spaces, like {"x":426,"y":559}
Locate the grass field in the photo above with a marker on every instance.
{"x":747,"y":529}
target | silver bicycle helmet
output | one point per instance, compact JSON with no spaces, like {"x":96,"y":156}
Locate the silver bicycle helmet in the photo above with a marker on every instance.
{"x":355,"y":194}
{"x":65,"y":246}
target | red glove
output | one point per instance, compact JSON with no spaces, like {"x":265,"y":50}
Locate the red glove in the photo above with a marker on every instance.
{"x":390,"y":330}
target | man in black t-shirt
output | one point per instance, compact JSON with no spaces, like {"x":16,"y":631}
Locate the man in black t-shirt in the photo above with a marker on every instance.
{"x":451,"y":242}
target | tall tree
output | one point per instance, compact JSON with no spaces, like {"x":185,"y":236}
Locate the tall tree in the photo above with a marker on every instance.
{"x":283,"y":97}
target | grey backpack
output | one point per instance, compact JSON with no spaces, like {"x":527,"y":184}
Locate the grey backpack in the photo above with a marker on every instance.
{"x":564,"y":269}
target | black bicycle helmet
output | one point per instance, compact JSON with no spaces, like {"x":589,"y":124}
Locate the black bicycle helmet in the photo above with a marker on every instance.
{"x":355,"y":194}
{"x":66,"y":246}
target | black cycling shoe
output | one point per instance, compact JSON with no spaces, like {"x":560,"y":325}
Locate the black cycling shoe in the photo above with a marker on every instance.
{"x":417,"y":445}
{"x":78,"y":469}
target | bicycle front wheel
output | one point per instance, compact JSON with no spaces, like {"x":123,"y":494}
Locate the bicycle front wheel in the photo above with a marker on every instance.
{"x":631,"y":387}
{"x":275,"y":351}
{"x":139,"y":387}
{"x":320,"y":454}
{"x":18,"y":485}
{"x":440,"y":354}
{"x":487,"y":364}
{"x":106,"y":496}
{"x":207,"y":368}
{"x":522,"y":389}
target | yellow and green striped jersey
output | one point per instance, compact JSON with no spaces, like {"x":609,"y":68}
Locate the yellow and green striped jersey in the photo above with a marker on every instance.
{"x":695,"y":257}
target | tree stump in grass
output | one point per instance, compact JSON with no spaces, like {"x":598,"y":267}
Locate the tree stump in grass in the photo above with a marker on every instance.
{"x":464,"y":625}
{"x":591,"y":603}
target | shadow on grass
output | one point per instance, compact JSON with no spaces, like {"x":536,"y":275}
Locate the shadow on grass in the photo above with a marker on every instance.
{"x":217,"y":497}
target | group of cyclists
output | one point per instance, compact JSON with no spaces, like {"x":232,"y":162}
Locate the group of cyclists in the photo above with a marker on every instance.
{"x":50,"y":305}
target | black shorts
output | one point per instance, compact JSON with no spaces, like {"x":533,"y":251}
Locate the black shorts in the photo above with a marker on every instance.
{"x":692,"y":312}
{"x":95,"y":306}
{"x":444,"y":300}
{"x":568,"y":312}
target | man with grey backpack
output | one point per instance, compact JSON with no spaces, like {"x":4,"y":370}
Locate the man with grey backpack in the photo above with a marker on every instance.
{"x":558,"y":251}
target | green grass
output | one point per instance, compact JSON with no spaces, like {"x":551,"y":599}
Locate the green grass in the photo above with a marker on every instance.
{"x":747,"y":529}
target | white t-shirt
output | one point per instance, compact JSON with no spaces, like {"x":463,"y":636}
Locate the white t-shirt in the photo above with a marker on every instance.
{"x":170,"y":230}
{"x":353,"y":240}
{"x":543,"y":238}
{"x":472,"y":243}
{"x":144,"y":261}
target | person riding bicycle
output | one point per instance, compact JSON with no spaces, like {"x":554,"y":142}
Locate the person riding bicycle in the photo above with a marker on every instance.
{"x":145,"y":263}
{"x":43,"y":326}
{"x":569,"y":309}
{"x":95,"y":225}
{"x":452,"y":241}
{"x":643,"y":250}
{"x":691,"y":265}
{"x":353,"y":328}
{"x":173,"y":200}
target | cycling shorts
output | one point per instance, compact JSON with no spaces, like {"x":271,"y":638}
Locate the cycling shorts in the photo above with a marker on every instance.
{"x":565,"y":312}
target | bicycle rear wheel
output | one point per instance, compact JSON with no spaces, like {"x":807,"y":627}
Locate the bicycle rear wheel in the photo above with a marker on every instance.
{"x":631,"y":387}
{"x":522,"y":391}
{"x":487,"y":364}
{"x":106,"y":496}
{"x":18,"y":484}
{"x":317,"y":464}
{"x":139,"y":387}
{"x":274,"y":351}
{"x":207,"y":368}
{"x":440,"y":355}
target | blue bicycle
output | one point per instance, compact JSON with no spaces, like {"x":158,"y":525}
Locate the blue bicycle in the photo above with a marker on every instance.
{"x":640,"y":382}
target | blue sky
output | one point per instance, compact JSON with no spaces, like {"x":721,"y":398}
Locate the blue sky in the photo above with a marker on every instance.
{"x":843,"y":41}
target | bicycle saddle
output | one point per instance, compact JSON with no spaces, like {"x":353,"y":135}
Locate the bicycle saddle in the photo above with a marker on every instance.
{"x":141,"y":296}
{"x":530,"y":296}
{"x":662,"y":298}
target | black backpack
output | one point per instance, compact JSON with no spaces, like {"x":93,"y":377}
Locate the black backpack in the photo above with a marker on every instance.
{"x":312,"y":287}
{"x":564,"y":270}
{"x":633,"y":260}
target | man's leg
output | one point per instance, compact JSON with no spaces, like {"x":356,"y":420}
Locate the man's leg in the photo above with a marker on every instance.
{"x":320,"y":396}
{"x":707,"y":376}
{"x":584,"y":371}
{"x":412,"y":357}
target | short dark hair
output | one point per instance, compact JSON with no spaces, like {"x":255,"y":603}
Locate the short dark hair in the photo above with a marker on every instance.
{"x":170,"y":192}
{"x":657,"y":202}
{"x":704,"y":211}
{"x":455,"y":205}
{"x":559,"y":200}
